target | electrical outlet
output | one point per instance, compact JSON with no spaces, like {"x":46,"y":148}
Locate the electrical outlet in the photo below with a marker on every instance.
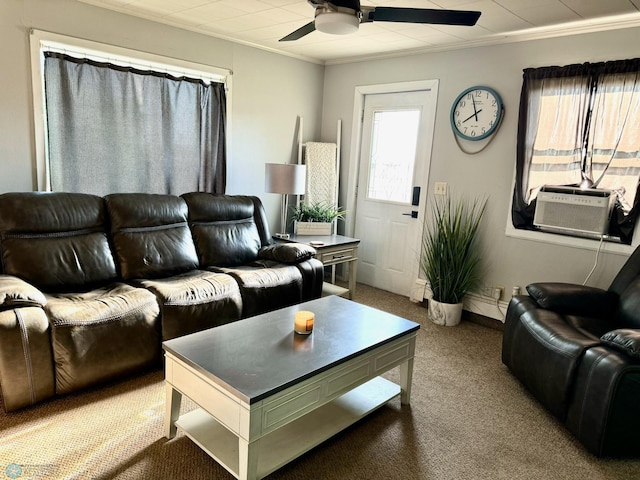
{"x":497,"y":292}
{"x":440,"y":188}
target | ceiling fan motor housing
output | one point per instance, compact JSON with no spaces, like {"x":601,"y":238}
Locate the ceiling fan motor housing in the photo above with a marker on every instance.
{"x":337,"y":22}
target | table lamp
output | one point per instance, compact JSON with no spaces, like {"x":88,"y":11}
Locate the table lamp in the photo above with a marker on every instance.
{"x":286,"y":179}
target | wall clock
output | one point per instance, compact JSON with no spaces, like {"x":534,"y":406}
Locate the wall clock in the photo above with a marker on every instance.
{"x":476,"y":113}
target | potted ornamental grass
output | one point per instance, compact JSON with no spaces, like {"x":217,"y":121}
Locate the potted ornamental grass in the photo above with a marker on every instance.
{"x":451,"y":258}
{"x":315,"y":218}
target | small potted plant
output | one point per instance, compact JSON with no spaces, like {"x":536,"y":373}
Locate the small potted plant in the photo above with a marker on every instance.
{"x":315,"y":218}
{"x":451,"y":256}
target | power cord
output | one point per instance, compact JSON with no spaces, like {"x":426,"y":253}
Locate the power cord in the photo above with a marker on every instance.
{"x":498,"y":307}
{"x":596,"y":262}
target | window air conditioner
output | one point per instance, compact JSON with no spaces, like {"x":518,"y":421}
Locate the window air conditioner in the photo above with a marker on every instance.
{"x":574,"y":211}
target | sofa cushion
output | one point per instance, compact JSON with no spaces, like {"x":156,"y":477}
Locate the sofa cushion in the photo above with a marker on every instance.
{"x":266,"y":285}
{"x":592,"y":328}
{"x":103,"y":334}
{"x":224,"y":229}
{"x":150,"y":235}
{"x":56,"y":241}
{"x":15,"y":292}
{"x":194,"y":301}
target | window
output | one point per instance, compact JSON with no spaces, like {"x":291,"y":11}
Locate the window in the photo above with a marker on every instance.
{"x":120,"y":124}
{"x":579,"y":125}
{"x":393,"y":151}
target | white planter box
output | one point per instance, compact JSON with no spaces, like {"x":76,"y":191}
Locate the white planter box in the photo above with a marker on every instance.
{"x":313,"y":228}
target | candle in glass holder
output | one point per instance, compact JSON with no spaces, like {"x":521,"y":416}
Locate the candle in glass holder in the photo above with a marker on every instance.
{"x":303,"y":322}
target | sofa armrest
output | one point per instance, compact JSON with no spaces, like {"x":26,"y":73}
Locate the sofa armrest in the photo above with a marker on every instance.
{"x":290,"y":253}
{"x":15,"y":292}
{"x":26,"y":357}
{"x":573,"y":299}
{"x":624,"y":340}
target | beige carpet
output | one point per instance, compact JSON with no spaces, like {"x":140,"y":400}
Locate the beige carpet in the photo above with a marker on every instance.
{"x":469,"y":419}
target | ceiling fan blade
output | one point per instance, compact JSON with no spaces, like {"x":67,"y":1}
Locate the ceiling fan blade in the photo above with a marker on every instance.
{"x":299,"y":33}
{"x":423,"y":15}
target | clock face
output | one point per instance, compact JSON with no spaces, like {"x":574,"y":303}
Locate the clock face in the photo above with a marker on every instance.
{"x":476,"y":113}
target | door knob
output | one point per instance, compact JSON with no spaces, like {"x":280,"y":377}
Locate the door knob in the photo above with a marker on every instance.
{"x":413,"y":214}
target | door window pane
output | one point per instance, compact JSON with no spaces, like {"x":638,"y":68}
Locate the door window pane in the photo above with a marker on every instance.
{"x":394,"y":138}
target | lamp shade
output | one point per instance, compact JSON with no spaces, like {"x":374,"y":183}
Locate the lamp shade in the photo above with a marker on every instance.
{"x":285,"y":178}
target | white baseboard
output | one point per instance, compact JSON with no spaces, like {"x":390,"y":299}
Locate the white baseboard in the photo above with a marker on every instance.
{"x":420,"y":291}
{"x":485,"y":306}
{"x":473,"y":302}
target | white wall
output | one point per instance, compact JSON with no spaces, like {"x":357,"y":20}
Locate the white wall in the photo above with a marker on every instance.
{"x":269,"y":91}
{"x":511,"y":261}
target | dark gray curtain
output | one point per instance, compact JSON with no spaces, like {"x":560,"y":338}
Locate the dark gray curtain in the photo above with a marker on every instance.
{"x":119,"y":129}
{"x":580,"y":123}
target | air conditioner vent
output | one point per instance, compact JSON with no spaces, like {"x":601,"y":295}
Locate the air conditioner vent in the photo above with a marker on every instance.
{"x":574,"y":211}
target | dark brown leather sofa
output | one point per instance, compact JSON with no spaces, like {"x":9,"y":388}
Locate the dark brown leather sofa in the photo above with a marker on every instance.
{"x":91,"y":286}
{"x":577,"y":350}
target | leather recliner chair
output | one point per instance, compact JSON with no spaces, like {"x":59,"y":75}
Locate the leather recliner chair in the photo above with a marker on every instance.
{"x":577,"y":350}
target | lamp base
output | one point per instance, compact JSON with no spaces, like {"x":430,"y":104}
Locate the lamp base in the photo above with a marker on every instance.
{"x":281,"y":235}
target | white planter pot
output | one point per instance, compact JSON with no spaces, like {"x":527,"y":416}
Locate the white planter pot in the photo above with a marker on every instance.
{"x":312,"y":228}
{"x":447,"y":314}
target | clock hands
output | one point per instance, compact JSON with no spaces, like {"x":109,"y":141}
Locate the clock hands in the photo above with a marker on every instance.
{"x":472,"y":115}
{"x":475,"y":112}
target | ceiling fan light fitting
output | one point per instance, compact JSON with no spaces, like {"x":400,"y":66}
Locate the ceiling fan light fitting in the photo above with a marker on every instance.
{"x":337,"y":23}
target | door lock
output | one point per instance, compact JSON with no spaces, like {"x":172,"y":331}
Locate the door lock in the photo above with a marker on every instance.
{"x":413,"y":214}
{"x":415,"y":200}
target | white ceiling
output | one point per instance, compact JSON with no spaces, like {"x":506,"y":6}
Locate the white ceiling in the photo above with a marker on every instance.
{"x":262,"y":23}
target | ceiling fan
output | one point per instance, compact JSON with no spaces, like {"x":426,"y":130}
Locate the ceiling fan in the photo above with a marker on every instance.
{"x":341,"y":17}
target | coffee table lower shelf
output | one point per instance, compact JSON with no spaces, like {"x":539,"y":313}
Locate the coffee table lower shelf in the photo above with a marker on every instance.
{"x":292,"y":440}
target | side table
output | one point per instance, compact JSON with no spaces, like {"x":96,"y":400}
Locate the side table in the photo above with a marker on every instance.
{"x":332,"y":250}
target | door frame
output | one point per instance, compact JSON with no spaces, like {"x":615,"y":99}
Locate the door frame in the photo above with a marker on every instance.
{"x":356,"y":140}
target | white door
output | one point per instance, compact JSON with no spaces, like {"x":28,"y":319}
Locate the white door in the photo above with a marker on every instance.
{"x":397,"y":133}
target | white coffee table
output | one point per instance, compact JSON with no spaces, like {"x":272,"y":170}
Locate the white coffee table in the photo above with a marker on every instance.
{"x":267,"y":395}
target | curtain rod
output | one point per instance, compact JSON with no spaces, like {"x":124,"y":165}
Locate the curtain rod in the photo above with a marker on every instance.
{"x":124,"y":62}
{"x":127,"y":57}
